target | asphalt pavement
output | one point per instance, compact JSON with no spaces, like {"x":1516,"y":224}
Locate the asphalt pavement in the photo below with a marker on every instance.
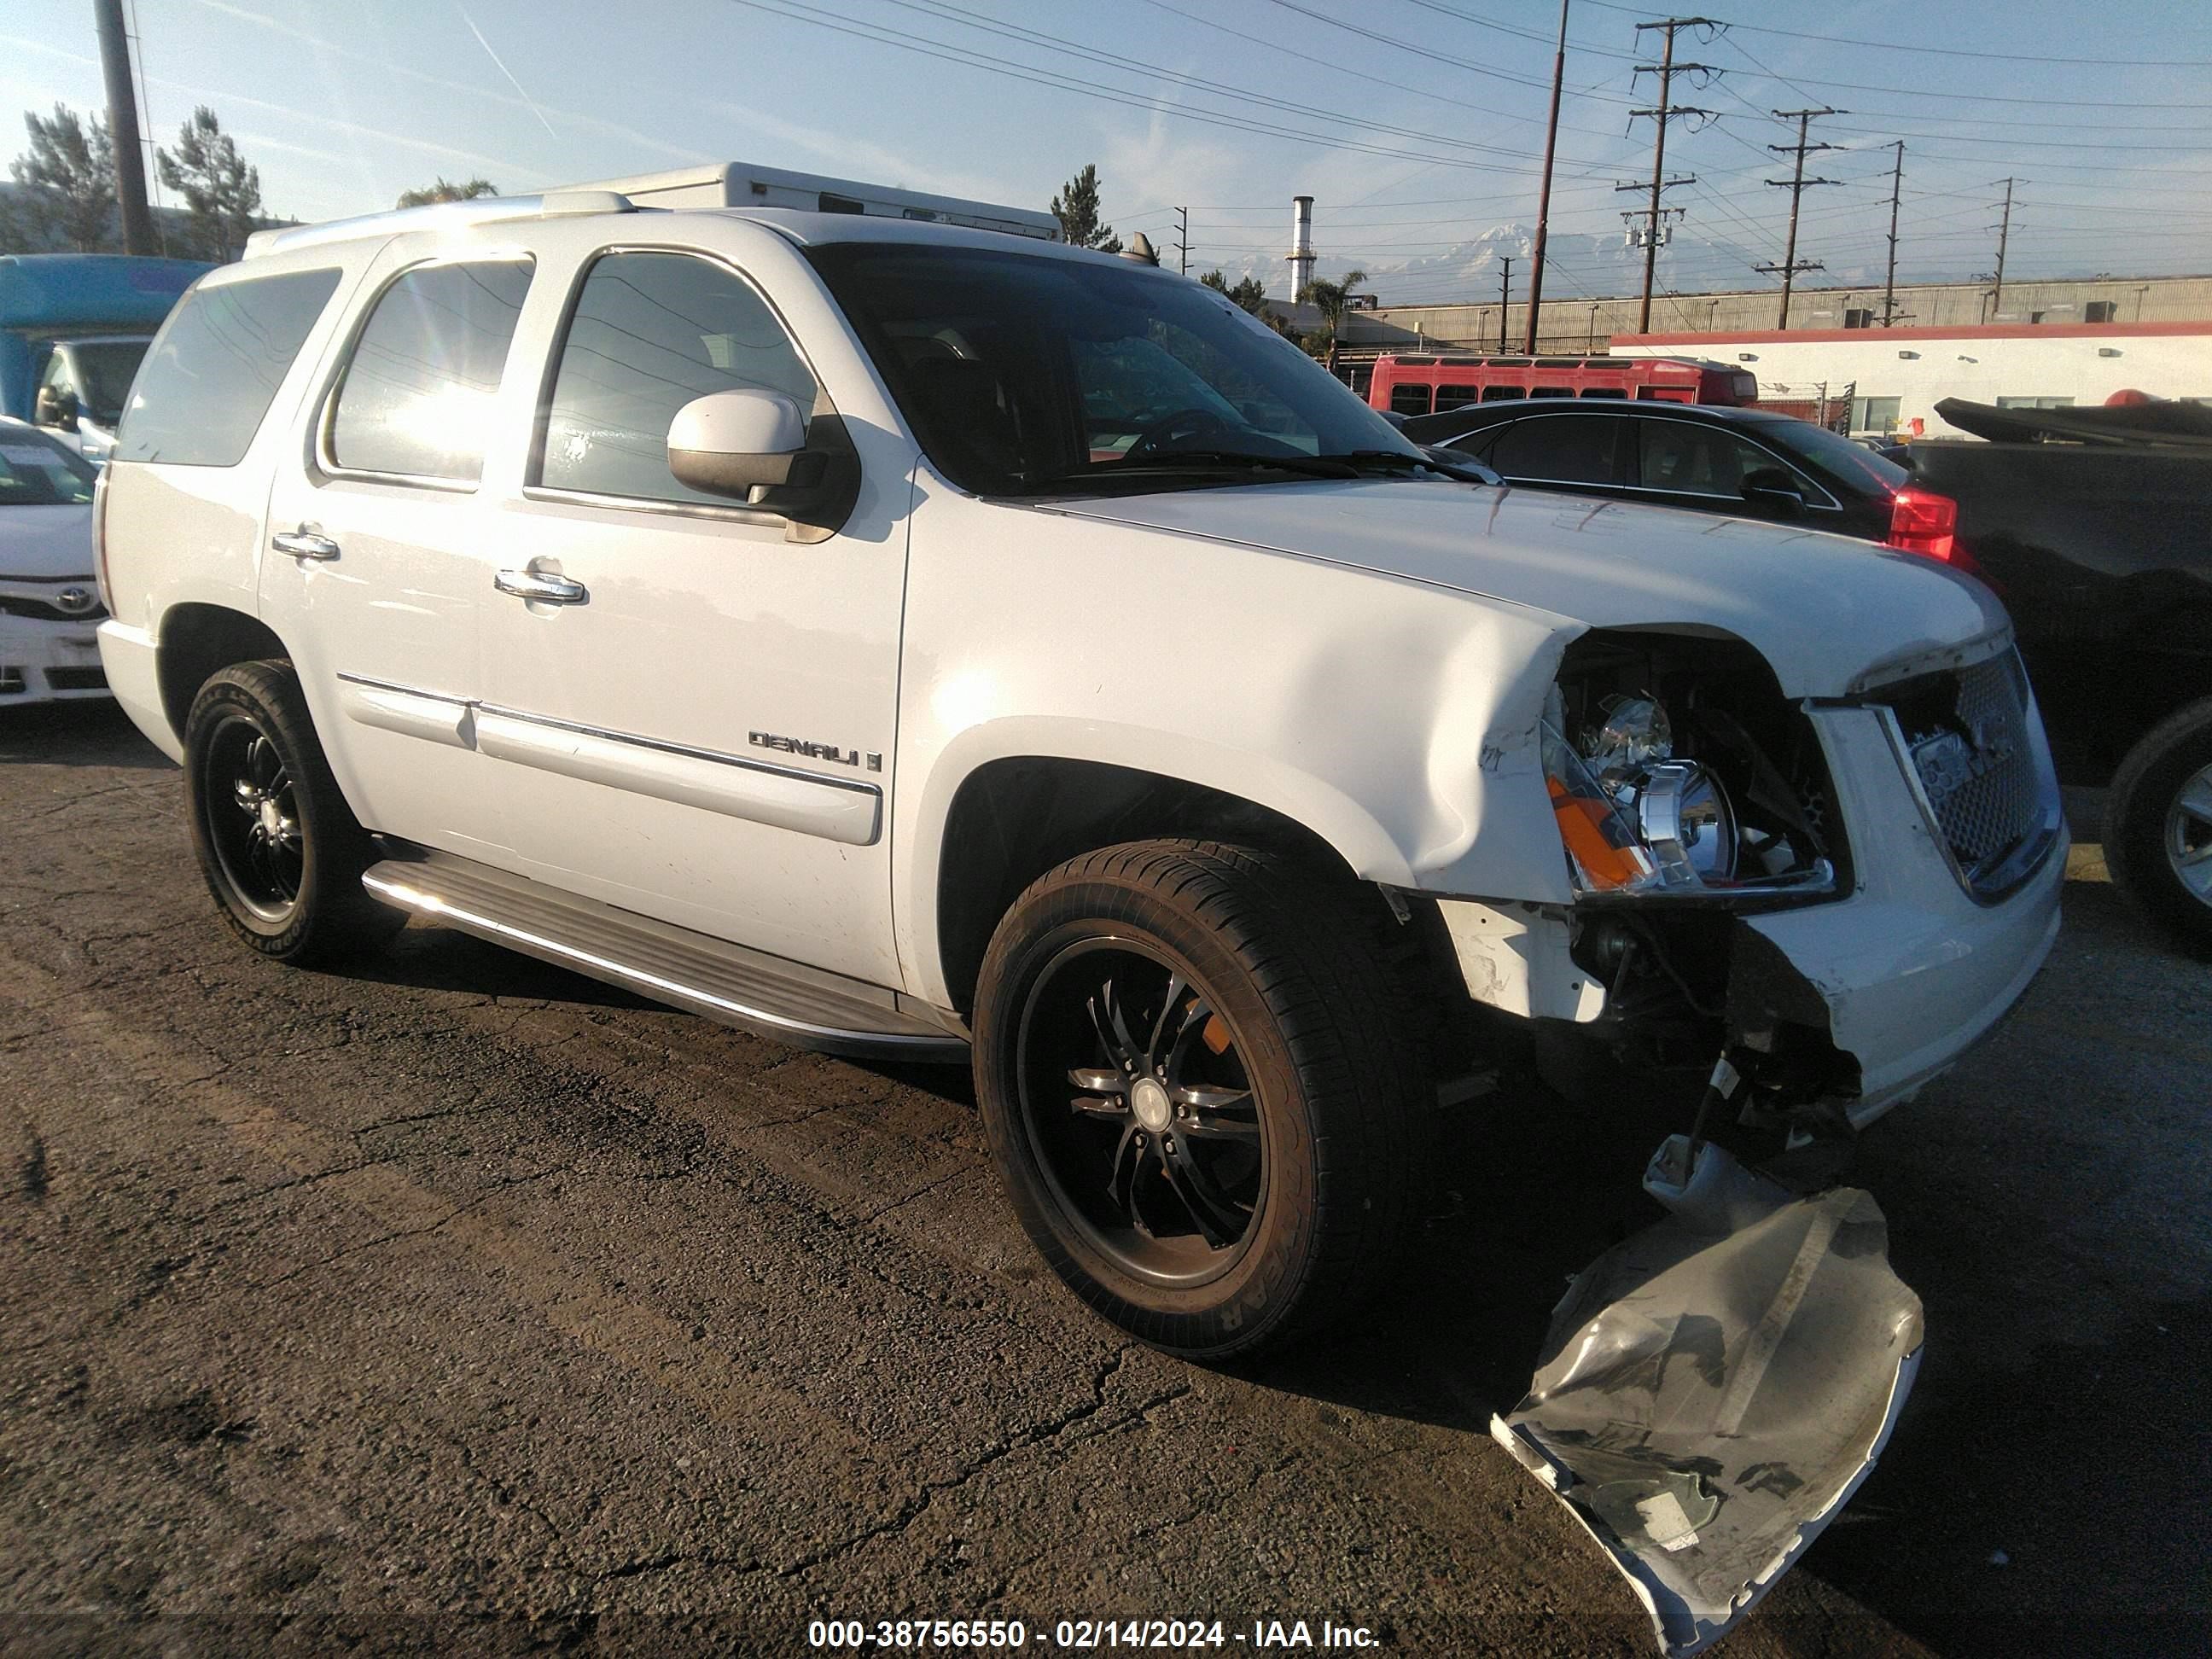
{"x":457,"y":1301}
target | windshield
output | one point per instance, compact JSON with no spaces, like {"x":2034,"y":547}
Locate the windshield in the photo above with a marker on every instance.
{"x":1852,"y":463}
{"x":104,"y":371}
{"x":36,"y":471}
{"x":1028,"y":374}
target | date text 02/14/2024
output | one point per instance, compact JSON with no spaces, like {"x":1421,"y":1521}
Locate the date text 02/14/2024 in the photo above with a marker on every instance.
{"x":1263,"y":1635}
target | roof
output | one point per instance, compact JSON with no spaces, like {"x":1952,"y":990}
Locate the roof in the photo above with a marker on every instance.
{"x":807,"y":207}
{"x":1651,"y":409}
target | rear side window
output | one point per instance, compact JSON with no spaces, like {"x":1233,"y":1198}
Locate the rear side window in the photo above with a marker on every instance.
{"x":651,"y":332}
{"x":204,"y":387}
{"x":415,"y":398}
{"x":1560,"y":449}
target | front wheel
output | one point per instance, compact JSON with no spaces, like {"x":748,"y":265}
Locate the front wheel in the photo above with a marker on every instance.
{"x":1198,"y":1090}
{"x":2158,"y":838}
{"x":282,"y":852}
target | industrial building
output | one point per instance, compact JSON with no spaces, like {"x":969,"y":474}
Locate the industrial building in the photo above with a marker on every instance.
{"x":1574,"y":324}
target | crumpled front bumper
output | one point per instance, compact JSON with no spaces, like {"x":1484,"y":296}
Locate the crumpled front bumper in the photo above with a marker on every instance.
{"x":1714,"y":1390}
{"x":43,"y":661}
{"x":1912,"y":969}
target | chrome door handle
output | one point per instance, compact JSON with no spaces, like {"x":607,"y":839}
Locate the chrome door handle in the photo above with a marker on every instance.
{"x":537,"y":585}
{"x":304,"y":543}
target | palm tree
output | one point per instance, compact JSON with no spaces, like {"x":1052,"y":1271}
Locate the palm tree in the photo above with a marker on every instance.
{"x":1331,"y":300}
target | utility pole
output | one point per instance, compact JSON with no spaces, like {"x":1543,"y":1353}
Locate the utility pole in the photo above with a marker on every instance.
{"x":1182,"y":239}
{"x":1665,"y":69}
{"x":2004,"y":231}
{"x":1797,"y":184}
{"x":1504,"y":300}
{"x":123,"y":129}
{"x":1544,"y":192}
{"x":1889,"y":281}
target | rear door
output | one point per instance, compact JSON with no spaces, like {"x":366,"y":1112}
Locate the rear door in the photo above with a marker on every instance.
{"x":382,"y":544}
{"x":1574,"y":450}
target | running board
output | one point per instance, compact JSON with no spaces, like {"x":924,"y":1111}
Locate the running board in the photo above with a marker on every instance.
{"x":787,"y":1000}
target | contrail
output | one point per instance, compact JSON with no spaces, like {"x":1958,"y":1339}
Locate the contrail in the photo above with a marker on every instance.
{"x":503,"y":69}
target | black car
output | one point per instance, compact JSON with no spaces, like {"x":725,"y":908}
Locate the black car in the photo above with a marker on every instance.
{"x":1707,"y":456}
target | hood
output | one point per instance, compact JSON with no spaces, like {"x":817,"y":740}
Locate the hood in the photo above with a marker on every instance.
{"x":1832,"y":615}
{"x":45,"y":544}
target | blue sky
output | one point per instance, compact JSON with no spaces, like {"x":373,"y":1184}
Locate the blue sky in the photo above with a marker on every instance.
{"x":1414,"y":128}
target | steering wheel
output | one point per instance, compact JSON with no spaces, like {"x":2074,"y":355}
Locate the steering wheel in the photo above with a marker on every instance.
{"x":1191,"y":422}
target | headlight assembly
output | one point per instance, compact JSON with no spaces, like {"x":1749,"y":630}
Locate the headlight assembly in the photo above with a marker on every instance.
{"x":1633,"y":817}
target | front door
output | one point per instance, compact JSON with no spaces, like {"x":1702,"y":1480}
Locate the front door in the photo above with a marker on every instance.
{"x":379,"y":556}
{"x":692,"y":711}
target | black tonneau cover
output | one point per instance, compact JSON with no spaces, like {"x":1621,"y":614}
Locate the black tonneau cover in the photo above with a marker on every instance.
{"x":2160,"y":424}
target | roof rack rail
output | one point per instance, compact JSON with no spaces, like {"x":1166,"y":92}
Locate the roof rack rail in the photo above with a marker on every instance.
{"x":440,"y":216}
{"x":742,"y":184}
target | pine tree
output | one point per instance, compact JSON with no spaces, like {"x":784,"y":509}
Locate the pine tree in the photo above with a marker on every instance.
{"x":446,"y":190}
{"x":222,"y":194}
{"x":1076,"y":207}
{"x":69,"y":175}
{"x":1247,"y":292}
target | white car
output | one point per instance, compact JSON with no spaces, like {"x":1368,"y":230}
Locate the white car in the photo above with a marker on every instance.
{"x":49,"y":602}
{"x":926,"y":639}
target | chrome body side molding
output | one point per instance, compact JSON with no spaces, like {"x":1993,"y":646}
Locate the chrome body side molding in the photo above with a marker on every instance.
{"x":844,"y":810}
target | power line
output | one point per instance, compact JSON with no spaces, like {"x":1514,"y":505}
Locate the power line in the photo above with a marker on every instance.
{"x":946,"y":52}
{"x":1951,"y":51}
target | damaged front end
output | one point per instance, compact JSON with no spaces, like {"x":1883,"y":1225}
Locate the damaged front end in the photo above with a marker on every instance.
{"x":1789,"y":916}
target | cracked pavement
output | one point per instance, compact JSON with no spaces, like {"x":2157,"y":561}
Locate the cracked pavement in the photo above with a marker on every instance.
{"x":457,"y":1301}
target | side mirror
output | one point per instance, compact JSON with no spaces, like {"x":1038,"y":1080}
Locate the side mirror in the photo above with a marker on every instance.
{"x":57,"y":407}
{"x":1772,"y":487}
{"x":743,"y":444}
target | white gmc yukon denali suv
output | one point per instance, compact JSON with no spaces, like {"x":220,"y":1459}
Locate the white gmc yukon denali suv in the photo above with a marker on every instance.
{"x":914,"y":640}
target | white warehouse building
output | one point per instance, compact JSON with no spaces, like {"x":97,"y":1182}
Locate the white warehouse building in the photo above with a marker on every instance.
{"x":1895,"y":377}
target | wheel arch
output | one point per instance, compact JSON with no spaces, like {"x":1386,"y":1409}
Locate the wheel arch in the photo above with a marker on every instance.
{"x":196,"y":640}
{"x":1015,"y":817}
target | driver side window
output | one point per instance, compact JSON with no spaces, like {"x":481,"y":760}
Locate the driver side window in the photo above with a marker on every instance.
{"x":650,"y":332}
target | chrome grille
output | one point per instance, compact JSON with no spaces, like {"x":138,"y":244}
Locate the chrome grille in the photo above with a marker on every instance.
{"x":1972,"y":745}
{"x":46,"y":611}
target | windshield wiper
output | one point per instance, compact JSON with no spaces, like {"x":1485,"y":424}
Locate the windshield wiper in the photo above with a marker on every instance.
{"x":1371,"y":459}
{"x":1316,"y":466}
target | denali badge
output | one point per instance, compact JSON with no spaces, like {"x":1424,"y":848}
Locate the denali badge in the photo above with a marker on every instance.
{"x":821,"y":752}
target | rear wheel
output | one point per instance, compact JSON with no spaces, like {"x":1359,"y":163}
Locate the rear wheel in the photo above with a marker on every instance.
{"x":2158,"y":838}
{"x":282,"y":852}
{"x":1197,"y":1091}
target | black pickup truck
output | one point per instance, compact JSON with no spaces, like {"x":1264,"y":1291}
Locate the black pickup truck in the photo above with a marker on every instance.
{"x":2096,"y":525}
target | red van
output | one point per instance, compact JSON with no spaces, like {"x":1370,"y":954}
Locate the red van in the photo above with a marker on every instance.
{"x":1420,"y":386}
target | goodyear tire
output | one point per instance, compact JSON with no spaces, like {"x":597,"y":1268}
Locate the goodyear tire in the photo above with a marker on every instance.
{"x":1191,"y":1064}
{"x":282,"y":852}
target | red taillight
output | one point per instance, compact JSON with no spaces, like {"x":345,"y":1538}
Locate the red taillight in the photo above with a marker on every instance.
{"x":100,"y":540}
{"x":1921,"y":521}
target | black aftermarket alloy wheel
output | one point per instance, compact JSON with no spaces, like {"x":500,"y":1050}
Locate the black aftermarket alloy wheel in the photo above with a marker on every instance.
{"x":1199,"y":1089}
{"x":282,"y":852}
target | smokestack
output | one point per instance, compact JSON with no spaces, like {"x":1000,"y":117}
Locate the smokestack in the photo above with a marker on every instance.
{"x":1302,"y":248}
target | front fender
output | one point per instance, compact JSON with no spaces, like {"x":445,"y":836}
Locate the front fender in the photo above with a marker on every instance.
{"x":1395,"y":719}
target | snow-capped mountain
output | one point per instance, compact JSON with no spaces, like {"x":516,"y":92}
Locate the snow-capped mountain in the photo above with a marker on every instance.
{"x":1575,"y":263}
